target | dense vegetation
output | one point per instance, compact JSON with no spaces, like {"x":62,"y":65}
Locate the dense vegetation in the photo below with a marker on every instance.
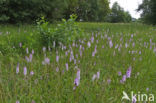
{"x":14,"y":11}
{"x":148,"y":8}
{"x":118,"y":14}
{"x":76,"y":62}
{"x":28,"y":11}
{"x":109,"y":59}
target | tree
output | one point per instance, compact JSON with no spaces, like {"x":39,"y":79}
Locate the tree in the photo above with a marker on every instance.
{"x":27,"y":11}
{"x":88,"y":10}
{"x":14,"y":11}
{"x":104,"y":9}
{"x":148,"y":8}
{"x":118,"y":14}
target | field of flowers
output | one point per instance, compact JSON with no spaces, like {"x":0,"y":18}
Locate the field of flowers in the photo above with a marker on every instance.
{"x":97,"y":68}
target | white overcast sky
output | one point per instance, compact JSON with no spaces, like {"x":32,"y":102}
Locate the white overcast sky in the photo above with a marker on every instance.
{"x":129,"y":5}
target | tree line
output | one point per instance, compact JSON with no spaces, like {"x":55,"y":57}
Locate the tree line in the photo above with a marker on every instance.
{"x":148,"y":9}
{"x":28,"y":11}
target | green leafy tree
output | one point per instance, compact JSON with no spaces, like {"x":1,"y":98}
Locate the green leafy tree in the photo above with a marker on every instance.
{"x":27,"y":11}
{"x":14,"y":11}
{"x":118,"y":14}
{"x":93,"y":10}
{"x":148,"y":8}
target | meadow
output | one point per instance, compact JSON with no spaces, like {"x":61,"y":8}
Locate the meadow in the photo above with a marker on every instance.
{"x":97,"y":68}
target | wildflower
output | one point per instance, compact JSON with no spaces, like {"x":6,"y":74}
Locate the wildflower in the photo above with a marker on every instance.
{"x":44,"y":49}
{"x":116,"y":46}
{"x":71,"y":56}
{"x":93,"y":54}
{"x":66,"y":53}
{"x":17,"y":101}
{"x":119,"y":73}
{"x":27,"y":50}
{"x":89,"y":44}
{"x":126,"y":45}
{"x":92,"y":39}
{"x":30,"y":57}
{"x":32,"y":51}
{"x":98,"y":75}
{"x":74,"y":61}
{"x":96,"y":35}
{"x":77,"y":79}
{"x":147,"y":89}
{"x":46,"y":61}
{"x":134,"y":99}
{"x":31,"y":73}
{"x":128,"y":74}
{"x":95,"y":50}
{"x":57,"y":69}
{"x":80,"y":46}
{"x":27,"y":59}
{"x":121,"y":81}
{"x":74,"y":87}
{"x":83,"y":48}
{"x":33,"y":101}
{"x":73,"y":44}
{"x":94,"y":63}
{"x":64,"y":47}
{"x":17,"y":69}
{"x":124,"y":78}
{"x":62,"y":71}
{"x":78,"y":74}
{"x":133,"y":44}
{"x":94,"y":77}
{"x":108,"y":81}
{"x":57,"y":58}
{"x":154,"y":50}
{"x":67,"y":66}
{"x":25,"y":71}
{"x":20,"y":44}
{"x":110,"y":44}
{"x":77,"y":55}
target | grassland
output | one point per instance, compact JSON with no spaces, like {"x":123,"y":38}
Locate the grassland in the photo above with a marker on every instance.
{"x":91,"y":70}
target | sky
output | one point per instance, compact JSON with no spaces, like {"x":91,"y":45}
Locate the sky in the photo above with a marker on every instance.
{"x":129,"y":5}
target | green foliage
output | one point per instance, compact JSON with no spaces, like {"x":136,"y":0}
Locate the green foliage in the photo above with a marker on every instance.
{"x":65,"y":32}
{"x":27,"y":11}
{"x":11,"y":38}
{"x":118,"y":14}
{"x":44,"y":84}
{"x":93,"y":10}
{"x":148,"y":8}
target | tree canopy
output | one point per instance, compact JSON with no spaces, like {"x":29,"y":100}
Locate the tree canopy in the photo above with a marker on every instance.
{"x":118,"y":14}
{"x":14,"y":11}
{"x":148,"y":9}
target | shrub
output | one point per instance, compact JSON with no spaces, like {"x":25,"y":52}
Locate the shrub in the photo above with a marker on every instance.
{"x":65,"y":32}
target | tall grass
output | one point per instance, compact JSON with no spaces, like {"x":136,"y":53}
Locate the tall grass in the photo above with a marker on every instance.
{"x":35,"y":74}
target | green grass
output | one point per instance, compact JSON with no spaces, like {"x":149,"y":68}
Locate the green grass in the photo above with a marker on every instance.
{"x":49,"y":86}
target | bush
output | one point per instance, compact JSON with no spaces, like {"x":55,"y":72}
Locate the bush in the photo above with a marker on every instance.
{"x":65,"y":32}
